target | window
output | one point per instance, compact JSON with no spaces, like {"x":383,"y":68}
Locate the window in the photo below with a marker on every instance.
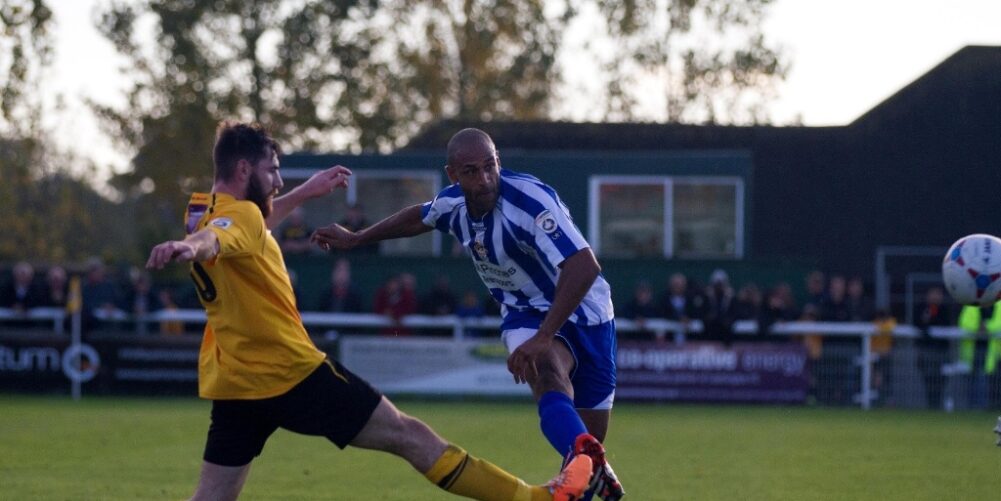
{"x":679,"y":216}
{"x":378,"y":194}
{"x":632,"y":218}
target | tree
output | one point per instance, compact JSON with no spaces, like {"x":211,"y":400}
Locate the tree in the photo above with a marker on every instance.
{"x":367,"y":75}
{"x":48,"y":215}
{"x":349,"y":74}
{"x":25,"y":49}
{"x":710,"y":58}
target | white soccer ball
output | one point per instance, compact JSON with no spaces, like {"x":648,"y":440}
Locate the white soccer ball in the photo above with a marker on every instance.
{"x":971,"y":270}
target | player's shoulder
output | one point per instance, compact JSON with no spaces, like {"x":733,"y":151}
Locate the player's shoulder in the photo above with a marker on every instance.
{"x":526,"y":191}
{"x":449,"y":198}
{"x":521,"y":179}
{"x":229,"y":204}
{"x":225,"y":210}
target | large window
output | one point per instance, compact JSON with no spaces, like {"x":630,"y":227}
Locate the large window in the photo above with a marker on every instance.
{"x":378,"y":194}
{"x":674,"y":217}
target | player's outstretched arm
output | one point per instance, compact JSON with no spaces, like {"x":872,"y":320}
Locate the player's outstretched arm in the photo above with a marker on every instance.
{"x":318,"y":185}
{"x":198,"y":246}
{"x":405,"y":223}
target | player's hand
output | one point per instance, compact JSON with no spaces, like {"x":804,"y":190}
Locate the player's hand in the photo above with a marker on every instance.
{"x":522,"y":362}
{"x":326,"y":181}
{"x":167,"y":252}
{"x":334,"y":236}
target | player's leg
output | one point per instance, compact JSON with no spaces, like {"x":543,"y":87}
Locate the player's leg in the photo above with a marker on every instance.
{"x":336,"y":403}
{"x":220,"y":483}
{"x":236,"y":436}
{"x":594,"y":392}
{"x":553,"y":391}
{"x":596,"y":421}
{"x":453,"y":469}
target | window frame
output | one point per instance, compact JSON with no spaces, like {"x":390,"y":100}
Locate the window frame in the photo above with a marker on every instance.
{"x":351,"y":195}
{"x":668,"y":183}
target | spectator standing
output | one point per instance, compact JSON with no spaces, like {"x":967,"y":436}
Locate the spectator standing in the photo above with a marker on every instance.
{"x":881,"y":345}
{"x":356,"y":220}
{"x":815,"y":289}
{"x":395,"y":301}
{"x":471,"y":306}
{"x":933,"y":352}
{"x":293,"y":236}
{"x":21,"y":293}
{"x":167,"y":303}
{"x":835,"y":306}
{"x":860,"y":307}
{"x":980,"y":350}
{"x":102,"y":299}
{"x":642,"y":307}
{"x":822,"y":377}
{"x":340,"y":296}
{"x":720,"y":308}
{"x":439,"y":300}
{"x":749,"y":302}
{"x":778,"y":307}
{"x":56,"y":287}
{"x":680,"y":303}
{"x":141,"y":298}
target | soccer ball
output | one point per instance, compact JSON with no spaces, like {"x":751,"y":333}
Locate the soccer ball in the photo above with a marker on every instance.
{"x":971,"y":270}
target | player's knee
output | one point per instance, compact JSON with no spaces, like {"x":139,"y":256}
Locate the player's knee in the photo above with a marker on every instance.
{"x":551,"y":378}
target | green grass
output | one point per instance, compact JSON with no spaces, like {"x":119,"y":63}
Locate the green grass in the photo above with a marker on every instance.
{"x":102,"y":448}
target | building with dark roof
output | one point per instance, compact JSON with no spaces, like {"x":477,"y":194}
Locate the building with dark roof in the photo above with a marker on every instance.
{"x":922,"y":168}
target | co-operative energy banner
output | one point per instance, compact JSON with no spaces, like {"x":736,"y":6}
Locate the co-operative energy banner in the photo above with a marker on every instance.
{"x":709,"y":372}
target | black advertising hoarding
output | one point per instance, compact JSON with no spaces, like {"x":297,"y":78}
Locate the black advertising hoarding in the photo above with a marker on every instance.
{"x":121,"y":364}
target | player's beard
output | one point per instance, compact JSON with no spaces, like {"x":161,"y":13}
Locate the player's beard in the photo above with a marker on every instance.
{"x":484,"y":201}
{"x":260,"y":196}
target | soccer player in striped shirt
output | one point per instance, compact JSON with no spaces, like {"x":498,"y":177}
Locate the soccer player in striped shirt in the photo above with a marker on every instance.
{"x":257,"y":363}
{"x":557,"y":311}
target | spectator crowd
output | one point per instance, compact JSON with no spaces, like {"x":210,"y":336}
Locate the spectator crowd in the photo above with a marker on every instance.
{"x":112,"y":298}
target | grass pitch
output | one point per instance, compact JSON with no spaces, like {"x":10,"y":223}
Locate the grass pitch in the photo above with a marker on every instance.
{"x":102,"y":448}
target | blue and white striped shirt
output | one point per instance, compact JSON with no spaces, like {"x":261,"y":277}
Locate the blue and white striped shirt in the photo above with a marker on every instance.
{"x":517,"y":248}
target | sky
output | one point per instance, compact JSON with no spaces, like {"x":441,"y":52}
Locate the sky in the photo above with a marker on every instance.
{"x":847,"y":56}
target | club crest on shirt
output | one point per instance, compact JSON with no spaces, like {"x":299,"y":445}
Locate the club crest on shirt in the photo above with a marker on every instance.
{"x":546,"y":221}
{"x":480,"y":249}
{"x":222,"y":222}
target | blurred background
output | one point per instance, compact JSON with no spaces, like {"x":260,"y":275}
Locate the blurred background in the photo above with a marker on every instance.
{"x":768,"y":185}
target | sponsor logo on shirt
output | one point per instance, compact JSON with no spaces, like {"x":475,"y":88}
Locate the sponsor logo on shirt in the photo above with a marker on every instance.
{"x":222,"y":222}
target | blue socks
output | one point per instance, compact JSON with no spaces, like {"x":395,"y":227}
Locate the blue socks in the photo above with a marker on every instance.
{"x":559,"y":421}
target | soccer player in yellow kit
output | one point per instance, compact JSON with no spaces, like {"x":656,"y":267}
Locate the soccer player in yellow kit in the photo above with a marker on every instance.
{"x":258,"y":365}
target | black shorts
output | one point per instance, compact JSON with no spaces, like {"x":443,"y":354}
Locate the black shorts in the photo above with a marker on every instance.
{"x":331,"y":402}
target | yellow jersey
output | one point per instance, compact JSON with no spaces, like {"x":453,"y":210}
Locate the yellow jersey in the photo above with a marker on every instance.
{"x":254,"y":344}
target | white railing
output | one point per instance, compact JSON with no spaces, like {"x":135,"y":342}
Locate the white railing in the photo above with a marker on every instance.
{"x":55,"y":316}
{"x":661,"y":328}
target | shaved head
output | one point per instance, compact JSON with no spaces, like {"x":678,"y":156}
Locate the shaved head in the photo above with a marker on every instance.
{"x":473,"y":164}
{"x":467,"y":139}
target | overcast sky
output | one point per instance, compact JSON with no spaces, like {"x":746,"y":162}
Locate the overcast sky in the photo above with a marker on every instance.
{"x":847,"y":56}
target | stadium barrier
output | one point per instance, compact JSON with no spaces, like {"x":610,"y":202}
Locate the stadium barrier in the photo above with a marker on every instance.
{"x":55,"y":316}
{"x":860,"y":356}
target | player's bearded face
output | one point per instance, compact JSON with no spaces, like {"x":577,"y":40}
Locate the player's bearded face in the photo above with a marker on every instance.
{"x":259,"y":194}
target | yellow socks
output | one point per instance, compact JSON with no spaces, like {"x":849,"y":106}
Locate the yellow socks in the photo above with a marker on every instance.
{"x":464,"y":475}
